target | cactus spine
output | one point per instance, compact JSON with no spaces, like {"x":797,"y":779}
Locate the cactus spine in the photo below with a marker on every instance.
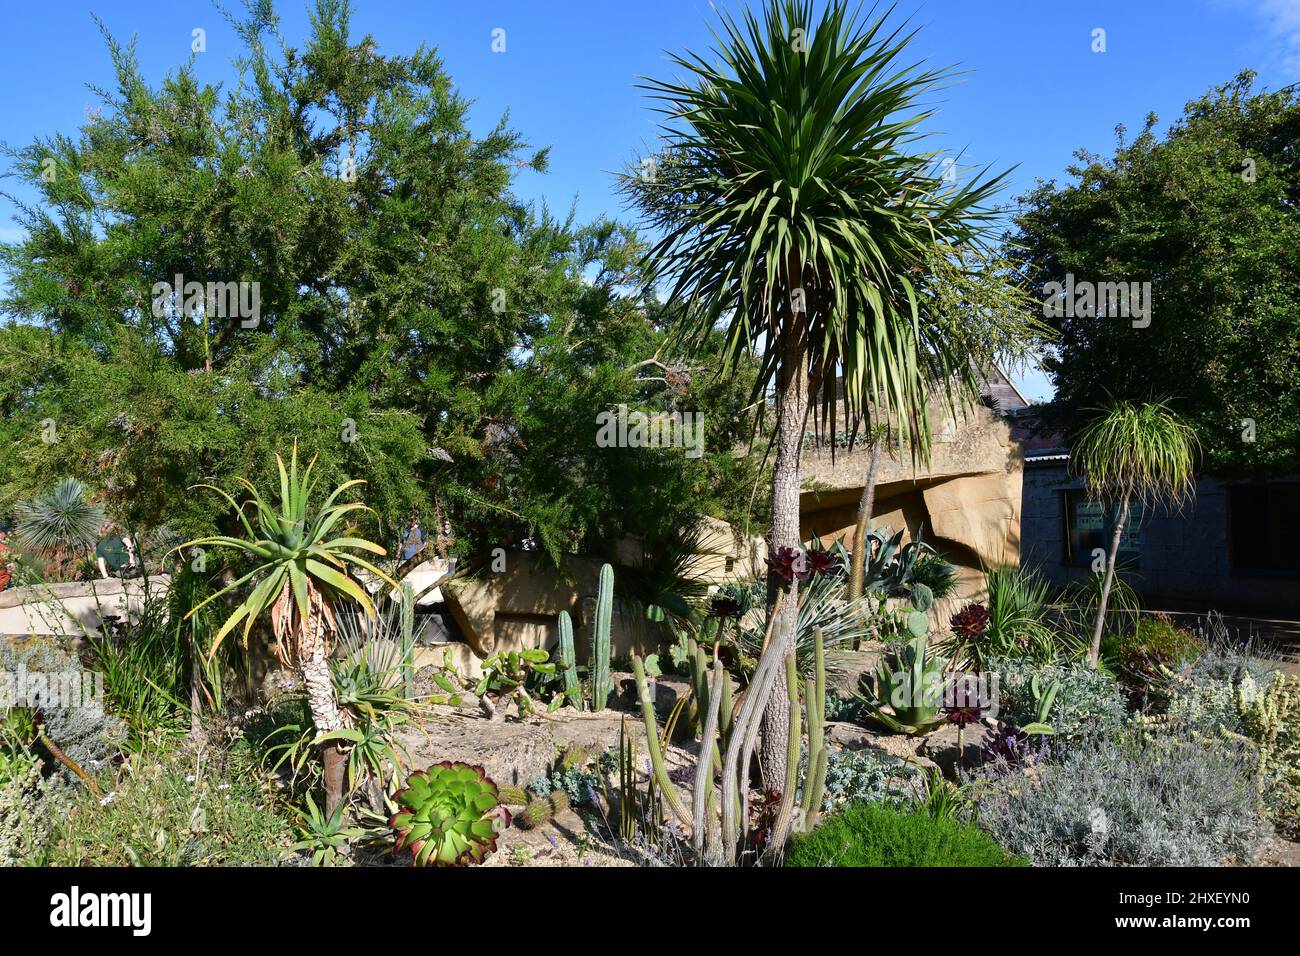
{"x":509,"y":795}
{"x":569,"y":661}
{"x":600,"y":683}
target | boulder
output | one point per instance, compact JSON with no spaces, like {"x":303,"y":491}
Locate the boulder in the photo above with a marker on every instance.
{"x":508,"y":751}
{"x":941,"y":746}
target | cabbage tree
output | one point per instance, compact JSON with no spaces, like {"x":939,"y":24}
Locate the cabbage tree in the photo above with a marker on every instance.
{"x":796,"y":211}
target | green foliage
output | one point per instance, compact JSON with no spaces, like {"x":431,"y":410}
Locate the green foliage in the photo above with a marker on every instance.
{"x":1165,"y":801}
{"x":1086,"y":702}
{"x":146,"y":670}
{"x":935,"y":573}
{"x":324,"y":835}
{"x":1181,"y":212}
{"x":507,"y":675}
{"x":447,"y":815}
{"x":806,"y":151}
{"x":863,"y":775}
{"x":1141,"y":659}
{"x":1019,"y":619}
{"x":904,"y":693}
{"x":171,"y":808}
{"x":870,"y":834}
{"x":1143,"y":450}
{"x":1270,"y":717}
{"x":26,"y":803}
{"x":420,"y":326}
{"x":297,"y":561}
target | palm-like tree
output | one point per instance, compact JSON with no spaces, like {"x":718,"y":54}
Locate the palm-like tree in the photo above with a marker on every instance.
{"x":302,"y":566}
{"x":795,"y":211}
{"x":1130,"y":450}
{"x":61,"y":519}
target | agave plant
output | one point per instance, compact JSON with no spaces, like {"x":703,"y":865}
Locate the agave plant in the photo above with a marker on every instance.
{"x":60,"y":519}
{"x":448,"y":815}
{"x":905,"y":692}
{"x":302,"y":567}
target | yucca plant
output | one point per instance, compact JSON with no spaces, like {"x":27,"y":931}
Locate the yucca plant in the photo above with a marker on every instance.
{"x":796,"y":212}
{"x":302,"y":565}
{"x":1130,"y":450}
{"x":60,"y":520}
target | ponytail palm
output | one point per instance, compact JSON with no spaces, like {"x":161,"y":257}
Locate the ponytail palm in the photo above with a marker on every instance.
{"x":302,"y":562}
{"x":796,"y":213}
{"x":1133,"y":450}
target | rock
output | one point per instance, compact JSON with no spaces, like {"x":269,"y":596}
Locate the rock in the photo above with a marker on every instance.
{"x":509,"y":752}
{"x":593,"y":731}
{"x":899,"y":746}
{"x":666,"y":690}
{"x":847,"y":666}
{"x":941,"y":746}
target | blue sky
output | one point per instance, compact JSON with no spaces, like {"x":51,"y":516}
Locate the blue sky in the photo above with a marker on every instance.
{"x":1036,"y":91}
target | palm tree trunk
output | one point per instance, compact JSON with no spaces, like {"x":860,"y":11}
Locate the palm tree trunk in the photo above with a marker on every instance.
{"x":866,"y":504}
{"x":791,"y":418}
{"x":1094,"y":653}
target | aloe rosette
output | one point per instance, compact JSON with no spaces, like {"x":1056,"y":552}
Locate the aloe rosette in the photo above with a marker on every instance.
{"x":448,"y":815}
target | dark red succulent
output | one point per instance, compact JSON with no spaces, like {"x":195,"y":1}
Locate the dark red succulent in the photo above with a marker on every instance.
{"x":970,"y":621}
{"x":723,"y":608}
{"x":789,"y":564}
{"x":824,"y":562}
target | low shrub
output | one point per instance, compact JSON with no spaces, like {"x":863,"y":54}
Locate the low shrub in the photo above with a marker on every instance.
{"x":1088,"y":702}
{"x":170,"y":808}
{"x":864,"y":775}
{"x":1162,"y":801}
{"x":869,"y":834}
{"x":1140,"y":658}
{"x":26,"y":803}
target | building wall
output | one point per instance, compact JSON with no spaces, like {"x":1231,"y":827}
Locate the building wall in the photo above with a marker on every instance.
{"x":1185,"y":557}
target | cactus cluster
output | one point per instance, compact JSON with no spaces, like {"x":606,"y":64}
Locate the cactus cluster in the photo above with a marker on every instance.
{"x":706,"y":810}
{"x":1270,"y":716}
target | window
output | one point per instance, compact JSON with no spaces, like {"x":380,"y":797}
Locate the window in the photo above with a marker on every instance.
{"x":1089,"y":525}
{"x":1264,"y":525}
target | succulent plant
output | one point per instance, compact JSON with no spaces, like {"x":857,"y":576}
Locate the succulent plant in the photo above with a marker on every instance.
{"x":541,"y":812}
{"x":824,"y":562}
{"x":788,"y":564}
{"x":922,"y":597}
{"x":448,"y":815}
{"x":904,"y":693}
{"x":970,"y":621}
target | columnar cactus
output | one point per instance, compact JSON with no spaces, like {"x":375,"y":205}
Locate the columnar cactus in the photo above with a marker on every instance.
{"x":569,"y":661}
{"x":600,"y":682}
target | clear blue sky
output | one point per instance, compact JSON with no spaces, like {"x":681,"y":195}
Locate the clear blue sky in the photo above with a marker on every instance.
{"x":1036,"y":91}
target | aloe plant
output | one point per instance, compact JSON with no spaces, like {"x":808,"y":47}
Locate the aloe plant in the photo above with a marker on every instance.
{"x":905,"y":692}
{"x":448,"y":815}
{"x":302,"y":567}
